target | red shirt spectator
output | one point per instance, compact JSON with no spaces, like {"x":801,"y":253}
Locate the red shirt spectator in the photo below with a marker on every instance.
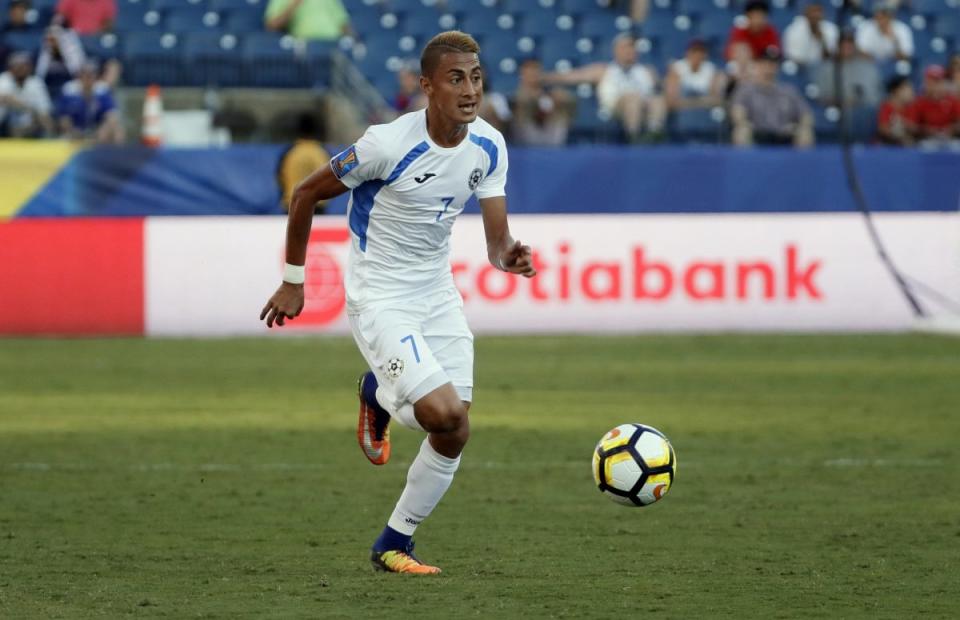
{"x":88,"y":16}
{"x":758,"y":33}
{"x":938,"y":111}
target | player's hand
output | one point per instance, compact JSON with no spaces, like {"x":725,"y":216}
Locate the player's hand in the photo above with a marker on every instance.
{"x":286,"y":303}
{"x":518,"y":258}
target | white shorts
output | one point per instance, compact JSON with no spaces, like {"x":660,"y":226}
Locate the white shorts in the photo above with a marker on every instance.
{"x":417,"y":346}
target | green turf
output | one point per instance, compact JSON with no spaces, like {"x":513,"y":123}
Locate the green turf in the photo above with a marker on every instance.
{"x":819,"y":477}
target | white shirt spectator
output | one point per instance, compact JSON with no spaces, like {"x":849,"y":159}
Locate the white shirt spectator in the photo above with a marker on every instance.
{"x":695,"y":83}
{"x":32,"y":93}
{"x":800,"y":46}
{"x":618,"y":81}
{"x":874,"y":43}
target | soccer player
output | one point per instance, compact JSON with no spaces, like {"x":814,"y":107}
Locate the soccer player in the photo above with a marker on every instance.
{"x":409,"y":180}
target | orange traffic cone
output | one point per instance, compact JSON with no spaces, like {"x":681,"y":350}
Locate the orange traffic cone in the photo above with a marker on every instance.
{"x":153,"y":117}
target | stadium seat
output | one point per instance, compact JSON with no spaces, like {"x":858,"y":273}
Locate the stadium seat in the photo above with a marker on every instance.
{"x":242,"y":21}
{"x":603,"y":25}
{"x":271,"y":61}
{"x":191,"y":19}
{"x":257,"y":6}
{"x":28,"y":41}
{"x":152,"y":58}
{"x":697,"y":125}
{"x":212,"y":59}
{"x":715,"y":26}
{"x":825,"y":123}
{"x":480,"y":23}
{"x":133,"y":18}
{"x":317,"y":56}
{"x":421,"y":25}
{"x":932,"y":7}
{"x":863,"y":123}
{"x":102,"y":46}
{"x":658,"y":24}
{"x":527,"y":8}
{"x":947,"y":25}
{"x":558,"y":48}
{"x":579,"y":7}
{"x":171,"y":5}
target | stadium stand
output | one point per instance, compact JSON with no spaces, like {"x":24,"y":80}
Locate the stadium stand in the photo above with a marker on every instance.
{"x":223,"y":43}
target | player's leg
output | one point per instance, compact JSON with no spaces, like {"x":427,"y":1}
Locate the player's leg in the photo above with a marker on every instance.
{"x":443,"y":413}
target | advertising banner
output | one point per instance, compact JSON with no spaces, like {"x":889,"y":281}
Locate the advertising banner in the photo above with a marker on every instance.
{"x":600,"y":273}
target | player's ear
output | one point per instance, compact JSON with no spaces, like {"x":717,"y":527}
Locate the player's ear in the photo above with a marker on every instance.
{"x":425,"y":85}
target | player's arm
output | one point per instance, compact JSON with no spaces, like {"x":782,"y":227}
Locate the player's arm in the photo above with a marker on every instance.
{"x":503,"y":251}
{"x":287,"y":302}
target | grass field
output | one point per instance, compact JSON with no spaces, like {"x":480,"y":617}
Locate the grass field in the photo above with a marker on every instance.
{"x":819,"y":477}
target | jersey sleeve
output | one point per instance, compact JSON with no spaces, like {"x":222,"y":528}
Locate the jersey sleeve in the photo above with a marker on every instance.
{"x":495,"y":182}
{"x":367,"y":159}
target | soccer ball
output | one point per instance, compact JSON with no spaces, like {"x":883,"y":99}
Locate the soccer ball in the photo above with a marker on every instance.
{"x":634,"y":465}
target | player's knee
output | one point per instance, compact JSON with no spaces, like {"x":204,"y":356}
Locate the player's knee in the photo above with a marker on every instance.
{"x":443,"y":416}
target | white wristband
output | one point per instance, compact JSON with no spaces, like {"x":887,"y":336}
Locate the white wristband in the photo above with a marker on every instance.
{"x":294,"y":274}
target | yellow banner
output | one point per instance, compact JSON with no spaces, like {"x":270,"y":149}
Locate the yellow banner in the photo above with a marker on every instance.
{"x":25,"y":167}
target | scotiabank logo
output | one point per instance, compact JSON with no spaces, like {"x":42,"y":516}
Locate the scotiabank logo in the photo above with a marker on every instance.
{"x":644,"y":277}
{"x":323,"y":291}
{"x":564,"y":277}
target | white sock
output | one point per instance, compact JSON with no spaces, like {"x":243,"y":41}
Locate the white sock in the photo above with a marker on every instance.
{"x":428,"y":479}
{"x":402,"y":414}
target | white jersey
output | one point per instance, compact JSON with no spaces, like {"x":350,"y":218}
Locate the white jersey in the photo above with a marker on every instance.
{"x":406,"y":194}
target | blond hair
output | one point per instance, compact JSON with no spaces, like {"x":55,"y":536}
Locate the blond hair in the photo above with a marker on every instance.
{"x":449,"y":42}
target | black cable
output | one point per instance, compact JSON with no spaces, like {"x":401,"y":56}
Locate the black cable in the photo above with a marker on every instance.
{"x":853,"y":179}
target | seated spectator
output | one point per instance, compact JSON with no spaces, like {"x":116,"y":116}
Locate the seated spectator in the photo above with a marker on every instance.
{"x":86,"y":109}
{"x":953,"y":74}
{"x":60,"y":59}
{"x":495,"y":107}
{"x":540,"y":117}
{"x":937,"y":109}
{"x":897,"y":118}
{"x":757,"y":33}
{"x":16,"y":22}
{"x":17,"y":18}
{"x":322,"y":20}
{"x":24,"y":102}
{"x":694,"y":81}
{"x":628,"y":91}
{"x":810,"y":39}
{"x":765,"y":111}
{"x":304,"y":157}
{"x":409,"y":97}
{"x":87,"y":17}
{"x":862,"y":81}
{"x":740,"y":67}
{"x":883,"y":37}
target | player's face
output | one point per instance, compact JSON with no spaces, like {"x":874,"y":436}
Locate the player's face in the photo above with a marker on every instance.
{"x":456,"y":87}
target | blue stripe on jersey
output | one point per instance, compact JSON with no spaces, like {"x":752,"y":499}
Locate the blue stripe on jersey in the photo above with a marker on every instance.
{"x":487,"y":145}
{"x":364,"y":194}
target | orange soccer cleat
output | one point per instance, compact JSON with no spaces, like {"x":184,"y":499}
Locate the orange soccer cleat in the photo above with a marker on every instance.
{"x":373,"y":426}
{"x":401,"y":561}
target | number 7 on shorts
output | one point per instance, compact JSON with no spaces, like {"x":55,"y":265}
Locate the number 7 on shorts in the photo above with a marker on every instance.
{"x":413,"y":343}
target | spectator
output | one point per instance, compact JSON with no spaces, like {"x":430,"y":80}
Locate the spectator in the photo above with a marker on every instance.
{"x":61,"y":58}
{"x":739,"y":67}
{"x":17,"y":18}
{"x":304,"y":156}
{"x":627,"y":91}
{"x":87,"y":17}
{"x":953,"y":73}
{"x":897,"y":118}
{"x":694,"y":81}
{"x":765,"y":111}
{"x":495,"y":108}
{"x":937,"y":109}
{"x":86,"y":110}
{"x":757,"y":33}
{"x":540,"y":117}
{"x":883,"y":37}
{"x":862,"y":82}
{"x":409,"y":97}
{"x":24,"y":102}
{"x":323,"y":20}
{"x":810,"y":39}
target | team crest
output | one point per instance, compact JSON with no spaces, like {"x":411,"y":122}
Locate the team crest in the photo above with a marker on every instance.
{"x":344,"y":162}
{"x":394,"y":368}
{"x":475,"y":177}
